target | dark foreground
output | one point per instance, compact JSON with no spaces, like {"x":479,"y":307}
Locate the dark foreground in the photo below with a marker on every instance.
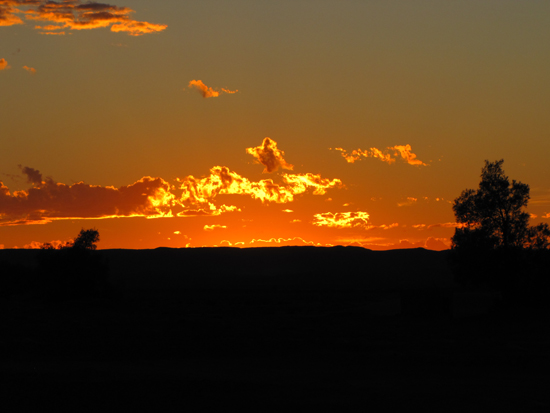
{"x":271,"y":347}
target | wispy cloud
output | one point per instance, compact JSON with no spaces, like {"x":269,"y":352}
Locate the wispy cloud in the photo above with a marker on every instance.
{"x":410,"y":201}
{"x":4,"y":64}
{"x":74,"y":15}
{"x":388,"y":155}
{"x":31,"y":70}
{"x":341,"y":219}
{"x":208,"y":92}
{"x":213,"y":227}
{"x":269,"y":156}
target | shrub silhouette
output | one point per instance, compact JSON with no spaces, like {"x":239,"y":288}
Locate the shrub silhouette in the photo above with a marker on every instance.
{"x":494,"y":247}
{"x":73,"y":270}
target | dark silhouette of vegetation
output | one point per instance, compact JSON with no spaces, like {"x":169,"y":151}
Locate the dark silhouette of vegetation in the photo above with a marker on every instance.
{"x":72,"y":270}
{"x":493,"y":217}
{"x":494,"y":247}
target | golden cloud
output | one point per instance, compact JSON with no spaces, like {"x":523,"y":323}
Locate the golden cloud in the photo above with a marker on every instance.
{"x":389,"y":155}
{"x":213,"y":227}
{"x":48,"y":200}
{"x":3,"y":64}
{"x":300,"y":183}
{"x":74,"y":15}
{"x":269,"y":156}
{"x":341,"y":219}
{"x":8,"y":13}
{"x":31,"y":70}
{"x":222,"y":181}
{"x":208,"y":92}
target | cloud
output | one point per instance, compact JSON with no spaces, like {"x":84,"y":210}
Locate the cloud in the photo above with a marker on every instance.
{"x":410,"y":201}
{"x":284,"y":241}
{"x":213,"y":227}
{"x":269,"y":156}
{"x":31,"y":70}
{"x":4,"y":64}
{"x":208,"y":92}
{"x":439,"y":225}
{"x":301,"y":182}
{"x":547,"y":215}
{"x":135,"y":28}
{"x":48,"y":200}
{"x":74,"y":15}
{"x":33,"y":175}
{"x":199,"y":193}
{"x":389,"y":155}
{"x":8,"y":13}
{"x":53,"y":33}
{"x":437,"y":244}
{"x":341,"y":219}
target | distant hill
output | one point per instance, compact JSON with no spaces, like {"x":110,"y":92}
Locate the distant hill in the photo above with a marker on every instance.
{"x":277,"y":267}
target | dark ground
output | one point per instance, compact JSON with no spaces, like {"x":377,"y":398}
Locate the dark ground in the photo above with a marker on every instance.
{"x":270,"y":345}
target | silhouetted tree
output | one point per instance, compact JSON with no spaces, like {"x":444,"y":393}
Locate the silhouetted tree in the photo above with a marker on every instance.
{"x":73,"y":269}
{"x":494,"y":246}
{"x":86,"y":239}
{"x":493,"y":216}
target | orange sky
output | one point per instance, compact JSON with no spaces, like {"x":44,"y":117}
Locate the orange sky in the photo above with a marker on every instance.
{"x":255,"y":124}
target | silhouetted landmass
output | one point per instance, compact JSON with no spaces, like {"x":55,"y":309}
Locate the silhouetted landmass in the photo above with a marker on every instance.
{"x":267,"y":329}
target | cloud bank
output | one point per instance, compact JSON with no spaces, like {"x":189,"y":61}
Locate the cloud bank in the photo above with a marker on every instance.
{"x":74,"y":15}
{"x":149,"y":197}
{"x":48,"y":200}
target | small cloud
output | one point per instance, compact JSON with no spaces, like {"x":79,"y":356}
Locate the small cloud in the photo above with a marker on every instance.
{"x":53,"y":33}
{"x":31,"y":70}
{"x":288,"y":210}
{"x":547,"y":215}
{"x":4,"y":64}
{"x":177,"y":232}
{"x":269,"y":156}
{"x":213,"y":227}
{"x":208,"y":92}
{"x":410,"y":201}
{"x":533,"y":216}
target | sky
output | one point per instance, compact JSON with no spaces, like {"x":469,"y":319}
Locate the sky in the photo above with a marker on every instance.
{"x":253,"y":123}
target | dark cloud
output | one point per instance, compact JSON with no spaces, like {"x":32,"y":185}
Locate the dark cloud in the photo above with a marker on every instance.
{"x":269,"y":156}
{"x":48,"y":200}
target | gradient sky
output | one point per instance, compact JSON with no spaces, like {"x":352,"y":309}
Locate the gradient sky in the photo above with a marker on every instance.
{"x":148,"y":119}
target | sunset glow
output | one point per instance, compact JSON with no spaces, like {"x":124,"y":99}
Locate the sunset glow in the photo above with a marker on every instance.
{"x":190,"y":124}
